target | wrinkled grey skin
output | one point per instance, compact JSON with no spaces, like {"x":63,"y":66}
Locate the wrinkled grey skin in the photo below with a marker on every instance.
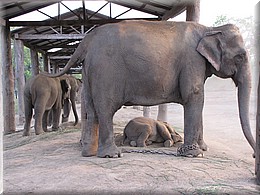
{"x":142,"y":131}
{"x":71,"y":100}
{"x":150,"y":63}
{"x":43,"y":94}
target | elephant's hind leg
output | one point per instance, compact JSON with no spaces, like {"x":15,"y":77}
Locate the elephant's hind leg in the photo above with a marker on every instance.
{"x":28,"y":118}
{"x":106,"y":142}
{"x":89,"y":126}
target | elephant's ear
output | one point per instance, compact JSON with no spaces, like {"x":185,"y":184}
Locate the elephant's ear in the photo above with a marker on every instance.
{"x":65,"y":86}
{"x":210,"y":47}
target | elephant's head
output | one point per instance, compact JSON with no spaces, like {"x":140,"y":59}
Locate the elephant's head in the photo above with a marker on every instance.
{"x":65,"y":87}
{"x":224,"y":49}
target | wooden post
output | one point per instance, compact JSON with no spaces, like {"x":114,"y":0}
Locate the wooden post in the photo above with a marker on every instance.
{"x":193,"y":11}
{"x":46,"y":66}
{"x":162,"y":112}
{"x":8,"y":82}
{"x":147,"y":111}
{"x":20,"y":80}
{"x":1,"y":106}
{"x":35,"y":62}
{"x":257,"y":157}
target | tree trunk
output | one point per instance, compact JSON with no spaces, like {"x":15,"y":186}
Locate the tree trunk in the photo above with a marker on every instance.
{"x":20,"y":80}
{"x":8,"y":83}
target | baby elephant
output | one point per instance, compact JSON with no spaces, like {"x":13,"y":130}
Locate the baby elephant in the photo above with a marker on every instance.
{"x":142,"y":131}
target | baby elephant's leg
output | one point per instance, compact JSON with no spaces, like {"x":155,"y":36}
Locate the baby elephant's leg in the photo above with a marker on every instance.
{"x":165,"y":134}
{"x":145,"y":132}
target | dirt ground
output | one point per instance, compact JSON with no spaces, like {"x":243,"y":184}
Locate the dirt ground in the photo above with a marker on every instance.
{"x":52,"y":163}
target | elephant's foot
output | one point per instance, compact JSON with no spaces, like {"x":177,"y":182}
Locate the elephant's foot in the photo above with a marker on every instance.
{"x":64,"y":119}
{"x":203,"y":146}
{"x":56,"y":128}
{"x":88,"y":150}
{"x":168,"y":143}
{"x":26,"y":133}
{"x":38,"y":132}
{"x":133,"y":143}
{"x":189,"y":150}
{"x":109,"y":151}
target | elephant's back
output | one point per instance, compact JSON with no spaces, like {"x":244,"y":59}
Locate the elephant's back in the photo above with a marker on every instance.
{"x":43,"y":87}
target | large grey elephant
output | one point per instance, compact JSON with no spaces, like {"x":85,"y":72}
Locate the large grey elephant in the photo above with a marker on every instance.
{"x":71,"y":100}
{"x":44,"y":94}
{"x":149,"y":63}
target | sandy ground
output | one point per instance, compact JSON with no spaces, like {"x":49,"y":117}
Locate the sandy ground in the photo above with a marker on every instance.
{"x":52,"y":163}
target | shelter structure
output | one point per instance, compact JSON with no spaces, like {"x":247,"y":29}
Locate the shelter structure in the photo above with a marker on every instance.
{"x":63,"y":32}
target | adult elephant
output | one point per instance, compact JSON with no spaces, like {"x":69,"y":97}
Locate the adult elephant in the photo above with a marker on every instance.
{"x":71,"y":100}
{"x":43,"y":94}
{"x":149,"y":63}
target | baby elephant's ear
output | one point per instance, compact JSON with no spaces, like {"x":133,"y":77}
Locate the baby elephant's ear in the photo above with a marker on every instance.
{"x":210,"y":47}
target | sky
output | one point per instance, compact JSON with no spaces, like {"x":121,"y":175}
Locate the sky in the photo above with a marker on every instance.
{"x":209,"y":10}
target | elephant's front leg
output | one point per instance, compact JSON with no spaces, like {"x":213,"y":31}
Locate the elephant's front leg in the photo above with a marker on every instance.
{"x":192,"y":126}
{"x":203,"y":146}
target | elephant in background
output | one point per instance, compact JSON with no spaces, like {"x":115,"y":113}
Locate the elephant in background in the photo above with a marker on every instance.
{"x":44,"y":94}
{"x":142,"y":131}
{"x":71,"y":100}
{"x":149,"y":63}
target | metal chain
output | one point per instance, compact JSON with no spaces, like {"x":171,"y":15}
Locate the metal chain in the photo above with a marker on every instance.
{"x":149,"y":151}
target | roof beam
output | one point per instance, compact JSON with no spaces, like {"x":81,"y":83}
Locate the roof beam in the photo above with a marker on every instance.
{"x":71,"y":22}
{"x":59,"y":57}
{"x":49,"y":36}
{"x":175,"y":11}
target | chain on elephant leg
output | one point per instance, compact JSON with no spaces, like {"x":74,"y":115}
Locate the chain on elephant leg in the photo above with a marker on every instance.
{"x":189,"y":150}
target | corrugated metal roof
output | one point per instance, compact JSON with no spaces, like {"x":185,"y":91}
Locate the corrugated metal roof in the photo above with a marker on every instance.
{"x":10,"y":9}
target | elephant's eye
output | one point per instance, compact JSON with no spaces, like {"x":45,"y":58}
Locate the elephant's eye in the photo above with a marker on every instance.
{"x":239,"y":58}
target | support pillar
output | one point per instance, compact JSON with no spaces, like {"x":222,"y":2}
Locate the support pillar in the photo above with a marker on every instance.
{"x":35,"y":62}
{"x":257,"y":155}
{"x":193,"y":11}
{"x":147,"y":111}
{"x":46,"y":65}
{"x":20,"y":80}
{"x":2,"y":26}
{"x":8,"y":82}
{"x":162,"y":112}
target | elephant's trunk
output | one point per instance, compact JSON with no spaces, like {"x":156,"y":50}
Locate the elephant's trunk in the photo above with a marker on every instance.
{"x":73,"y":104}
{"x":244,"y":88}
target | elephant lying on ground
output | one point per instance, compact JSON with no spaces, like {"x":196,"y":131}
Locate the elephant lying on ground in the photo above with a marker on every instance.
{"x":142,"y":131}
{"x":150,"y":63}
{"x":43,"y":94}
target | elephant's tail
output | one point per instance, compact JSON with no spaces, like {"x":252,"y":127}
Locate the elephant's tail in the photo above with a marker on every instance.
{"x":77,"y":57}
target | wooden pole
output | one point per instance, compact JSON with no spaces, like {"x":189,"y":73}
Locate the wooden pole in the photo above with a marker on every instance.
{"x":1,"y":108}
{"x":257,"y":157}
{"x":8,"y":83}
{"x":46,"y":66}
{"x":193,"y":11}
{"x":35,"y":62}
{"x":20,"y":80}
